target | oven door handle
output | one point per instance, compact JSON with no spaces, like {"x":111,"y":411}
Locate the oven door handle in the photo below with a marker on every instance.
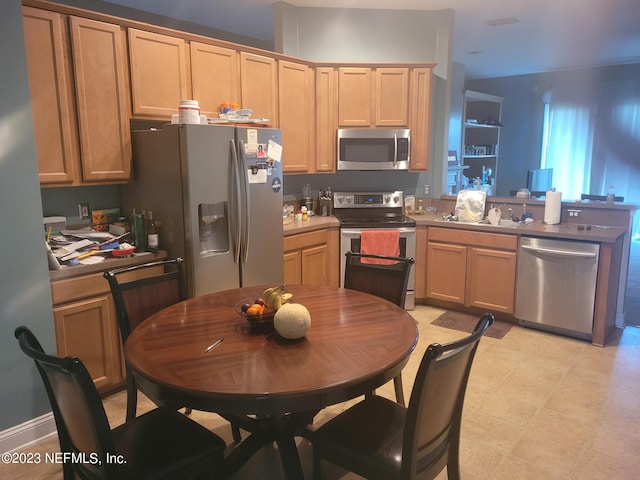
{"x":355,"y":232}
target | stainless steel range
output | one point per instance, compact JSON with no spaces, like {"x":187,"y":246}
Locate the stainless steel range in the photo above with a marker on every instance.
{"x":358,"y":211}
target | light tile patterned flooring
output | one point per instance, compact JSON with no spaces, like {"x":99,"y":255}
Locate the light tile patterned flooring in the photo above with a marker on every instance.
{"x":538,"y":406}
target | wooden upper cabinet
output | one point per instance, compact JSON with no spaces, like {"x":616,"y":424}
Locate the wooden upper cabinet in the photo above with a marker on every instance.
{"x":420,"y":117}
{"x":159,"y":73}
{"x":373,"y":97}
{"x":215,"y":76}
{"x":258,"y":82}
{"x":102,"y":93}
{"x":392,"y":97}
{"x":52,"y":102}
{"x":295,"y":94}
{"x":326,"y":118}
{"x":355,"y":100}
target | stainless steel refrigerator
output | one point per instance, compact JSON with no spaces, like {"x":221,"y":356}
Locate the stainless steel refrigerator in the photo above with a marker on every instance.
{"x":216,"y":195}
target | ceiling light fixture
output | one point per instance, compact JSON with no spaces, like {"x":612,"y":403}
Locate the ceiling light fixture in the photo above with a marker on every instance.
{"x":498,"y":22}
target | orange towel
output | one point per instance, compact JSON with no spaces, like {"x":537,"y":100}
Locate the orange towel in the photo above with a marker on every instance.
{"x":380,"y":242}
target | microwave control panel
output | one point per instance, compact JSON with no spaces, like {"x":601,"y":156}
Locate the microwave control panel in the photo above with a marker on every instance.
{"x":367,"y":200}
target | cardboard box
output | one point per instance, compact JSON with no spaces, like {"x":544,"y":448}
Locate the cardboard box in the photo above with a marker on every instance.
{"x":100,"y":219}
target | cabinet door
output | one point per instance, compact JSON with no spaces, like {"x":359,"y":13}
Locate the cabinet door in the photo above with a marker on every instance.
{"x":159,"y":73}
{"x":102,"y":98}
{"x":87,"y":329}
{"x":51,"y":88}
{"x":355,"y":97}
{"x":292,"y":268}
{"x":446,"y":267}
{"x":392,"y":97}
{"x":258,"y":83}
{"x":295,"y":94}
{"x":315,"y":265}
{"x":326,"y":118}
{"x":491,"y":278}
{"x":420,"y":112}
{"x":215,"y":77}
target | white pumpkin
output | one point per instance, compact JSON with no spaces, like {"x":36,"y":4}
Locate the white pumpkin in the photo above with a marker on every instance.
{"x":292,"y":321}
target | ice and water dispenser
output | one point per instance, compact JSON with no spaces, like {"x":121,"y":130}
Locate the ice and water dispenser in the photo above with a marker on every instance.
{"x":214,"y":228}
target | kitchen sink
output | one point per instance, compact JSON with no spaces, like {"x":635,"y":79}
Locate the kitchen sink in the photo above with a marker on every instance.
{"x":504,"y":223}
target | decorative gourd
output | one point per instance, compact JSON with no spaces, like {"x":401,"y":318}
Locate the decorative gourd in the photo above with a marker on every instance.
{"x":292,"y":321}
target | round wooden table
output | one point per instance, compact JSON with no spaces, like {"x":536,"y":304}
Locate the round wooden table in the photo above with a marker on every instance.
{"x":356,"y":343}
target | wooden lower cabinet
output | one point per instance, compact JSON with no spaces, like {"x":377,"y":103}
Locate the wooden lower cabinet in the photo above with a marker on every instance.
{"x":86,"y":326}
{"x":491,"y":279}
{"x":472,"y":269}
{"x":446,"y":266}
{"x":87,"y":329}
{"x":311,"y":258}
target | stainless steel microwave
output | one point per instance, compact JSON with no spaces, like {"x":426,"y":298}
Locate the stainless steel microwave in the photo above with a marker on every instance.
{"x":373,"y":149}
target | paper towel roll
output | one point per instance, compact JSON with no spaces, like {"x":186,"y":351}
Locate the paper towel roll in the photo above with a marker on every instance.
{"x":552,"y":207}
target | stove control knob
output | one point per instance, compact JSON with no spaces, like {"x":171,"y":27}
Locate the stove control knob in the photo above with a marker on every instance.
{"x":396,"y":199}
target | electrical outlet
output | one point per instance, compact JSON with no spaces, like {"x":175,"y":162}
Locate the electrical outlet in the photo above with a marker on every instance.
{"x":83,"y":210}
{"x":427,"y":190}
{"x":574,"y":213}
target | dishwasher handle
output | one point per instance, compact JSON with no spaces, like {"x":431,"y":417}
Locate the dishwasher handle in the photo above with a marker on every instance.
{"x":559,"y":253}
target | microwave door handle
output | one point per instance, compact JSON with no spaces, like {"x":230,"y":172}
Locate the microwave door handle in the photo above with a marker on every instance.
{"x":395,"y":150}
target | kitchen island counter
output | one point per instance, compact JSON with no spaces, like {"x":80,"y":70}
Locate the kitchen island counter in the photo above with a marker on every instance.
{"x":565,"y":231}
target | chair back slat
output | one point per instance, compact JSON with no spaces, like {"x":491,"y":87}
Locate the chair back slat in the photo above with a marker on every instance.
{"x":143,"y":298}
{"x":137,"y":299}
{"x":388,"y":281}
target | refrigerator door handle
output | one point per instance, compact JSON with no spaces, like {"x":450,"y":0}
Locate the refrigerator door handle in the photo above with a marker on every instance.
{"x":245,"y":220}
{"x":237,"y":204}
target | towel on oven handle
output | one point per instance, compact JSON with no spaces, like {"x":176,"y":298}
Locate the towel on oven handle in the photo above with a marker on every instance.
{"x":380,"y":242}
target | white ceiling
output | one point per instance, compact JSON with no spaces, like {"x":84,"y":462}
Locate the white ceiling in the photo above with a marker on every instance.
{"x":547,"y":35}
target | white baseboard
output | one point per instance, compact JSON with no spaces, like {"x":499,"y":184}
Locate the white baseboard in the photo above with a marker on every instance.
{"x":31,"y":431}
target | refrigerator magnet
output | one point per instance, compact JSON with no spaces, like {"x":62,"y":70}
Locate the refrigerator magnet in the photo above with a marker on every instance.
{"x":257,"y":175}
{"x":274,"y":151}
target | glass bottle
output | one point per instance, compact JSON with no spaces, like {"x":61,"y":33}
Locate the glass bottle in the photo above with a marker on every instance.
{"x":153,"y":241}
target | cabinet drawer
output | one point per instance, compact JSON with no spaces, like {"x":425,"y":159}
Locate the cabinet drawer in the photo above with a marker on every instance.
{"x":479,"y":239}
{"x":302,"y":240}
{"x":76,"y":288}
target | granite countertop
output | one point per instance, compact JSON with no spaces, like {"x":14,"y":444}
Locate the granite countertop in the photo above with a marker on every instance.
{"x":565,"y":231}
{"x":108,"y":264}
{"x":314,"y":222}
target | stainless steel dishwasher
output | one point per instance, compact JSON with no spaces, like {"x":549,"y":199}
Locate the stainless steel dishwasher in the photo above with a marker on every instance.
{"x":556,"y":285}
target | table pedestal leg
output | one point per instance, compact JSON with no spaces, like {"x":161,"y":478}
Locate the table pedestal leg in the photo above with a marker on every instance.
{"x":280,"y":430}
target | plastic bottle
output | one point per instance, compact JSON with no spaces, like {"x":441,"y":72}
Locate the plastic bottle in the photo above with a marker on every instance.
{"x":189,"y":111}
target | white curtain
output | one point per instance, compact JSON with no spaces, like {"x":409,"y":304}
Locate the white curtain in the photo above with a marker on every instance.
{"x":569,"y":146}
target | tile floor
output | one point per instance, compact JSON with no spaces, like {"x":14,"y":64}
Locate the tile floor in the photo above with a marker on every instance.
{"x":538,"y":406}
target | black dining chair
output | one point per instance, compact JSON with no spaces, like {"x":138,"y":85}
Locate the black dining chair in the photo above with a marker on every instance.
{"x":138,"y":292}
{"x":382,"y":440}
{"x":599,"y":198}
{"x":388,"y":280}
{"x":161,"y":444}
